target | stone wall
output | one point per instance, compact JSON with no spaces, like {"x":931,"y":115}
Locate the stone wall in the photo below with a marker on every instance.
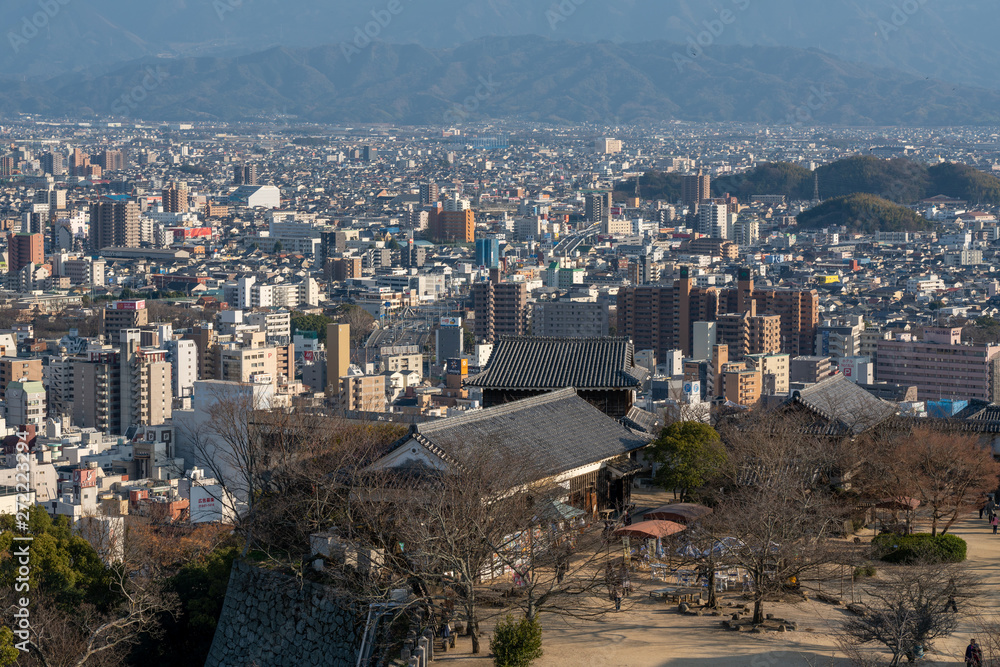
{"x":270,"y":619}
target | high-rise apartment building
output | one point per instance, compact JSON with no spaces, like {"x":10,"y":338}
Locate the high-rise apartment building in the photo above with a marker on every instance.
{"x":78,"y":163}
{"x":695,"y":187}
{"x":24,"y":249}
{"x":175,"y":198}
{"x":346,"y":268}
{"x":597,"y":207}
{"x":713,"y":220}
{"x":146,"y":383}
{"x":110,"y":160}
{"x":119,"y":316}
{"x":114,"y":223}
{"x":608,"y":146}
{"x":25,"y":401}
{"x":54,"y":164}
{"x":429,"y":193}
{"x":501,"y":310}
{"x":662,"y":318}
{"x":7,"y":166}
{"x":245,"y":174}
{"x":338,"y":354}
{"x":97,"y":391}
{"x":452,"y":226}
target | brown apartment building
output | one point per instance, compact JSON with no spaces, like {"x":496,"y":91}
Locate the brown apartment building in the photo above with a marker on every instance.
{"x":501,"y":310}
{"x":452,"y":226}
{"x":24,"y":249}
{"x":661,"y":318}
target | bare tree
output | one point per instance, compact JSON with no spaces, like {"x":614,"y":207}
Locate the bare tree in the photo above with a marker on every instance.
{"x":910,"y":606}
{"x":778,"y":506}
{"x":285,"y":473}
{"x":458,"y":524}
{"x":948,"y":472}
{"x":89,"y":635}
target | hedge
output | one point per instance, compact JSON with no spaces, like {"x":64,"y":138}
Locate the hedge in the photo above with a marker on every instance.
{"x":919,"y":547}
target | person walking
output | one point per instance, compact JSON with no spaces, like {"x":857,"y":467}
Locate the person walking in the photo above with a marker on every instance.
{"x":973,"y":655}
{"x":994,"y":523}
{"x":446,"y":634}
{"x":982,"y":508}
{"x":618,"y":598}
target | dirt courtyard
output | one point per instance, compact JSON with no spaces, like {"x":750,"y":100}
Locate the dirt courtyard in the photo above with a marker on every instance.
{"x":648,"y":632}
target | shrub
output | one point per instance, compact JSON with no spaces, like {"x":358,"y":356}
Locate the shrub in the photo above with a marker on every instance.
{"x":919,"y":547}
{"x":865,"y":571}
{"x":516,"y":643}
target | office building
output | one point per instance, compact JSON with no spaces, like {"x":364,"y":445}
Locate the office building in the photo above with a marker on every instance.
{"x":501,"y":310}
{"x":24,"y":249}
{"x":940,"y":365}
{"x":114,"y":223}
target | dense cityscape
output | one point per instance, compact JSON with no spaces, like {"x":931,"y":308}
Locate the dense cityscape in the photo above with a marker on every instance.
{"x":205,"y":325}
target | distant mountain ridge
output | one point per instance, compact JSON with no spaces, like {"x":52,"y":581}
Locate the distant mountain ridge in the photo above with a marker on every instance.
{"x":952,"y":41}
{"x":518,"y":77}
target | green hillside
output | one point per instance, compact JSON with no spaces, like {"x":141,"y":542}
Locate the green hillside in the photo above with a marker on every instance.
{"x":864,"y":213}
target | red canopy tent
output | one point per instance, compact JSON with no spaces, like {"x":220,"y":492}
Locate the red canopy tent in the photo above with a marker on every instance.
{"x":647,"y":530}
{"x":680,"y":512}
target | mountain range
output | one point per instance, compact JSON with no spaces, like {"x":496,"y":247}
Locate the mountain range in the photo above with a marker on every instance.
{"x":528,"y":78}
{"x":953,"y":41}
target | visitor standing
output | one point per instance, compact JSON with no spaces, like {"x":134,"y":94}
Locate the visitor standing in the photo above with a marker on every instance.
{"x":973,"y":655}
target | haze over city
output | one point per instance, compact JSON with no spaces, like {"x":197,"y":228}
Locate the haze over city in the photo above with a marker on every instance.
{"x":626,"y":333}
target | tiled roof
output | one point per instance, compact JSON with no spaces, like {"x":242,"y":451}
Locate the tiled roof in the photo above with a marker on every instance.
{"x":638,"y":419}
{"x":845,"y":405}
{"x":557,"y":430}
{"x":527,"y":362}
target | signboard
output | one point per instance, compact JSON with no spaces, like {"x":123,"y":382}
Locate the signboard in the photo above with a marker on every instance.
{"x":309,"y":355}
{"x":458,"y":367}
{"x":451,"y":321}
{"x":128,"y":305}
